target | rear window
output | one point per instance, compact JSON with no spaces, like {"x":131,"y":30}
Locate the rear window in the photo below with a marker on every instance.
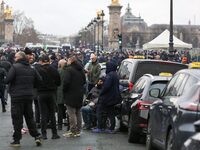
{"x":125,"y":70}
{"x":155,"y":68}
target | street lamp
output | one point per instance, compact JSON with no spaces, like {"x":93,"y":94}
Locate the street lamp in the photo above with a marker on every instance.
{"x":102,"y":15}
{"x":171,"y":44}
{"x":98,"y":19}
{"x":93,"y":22}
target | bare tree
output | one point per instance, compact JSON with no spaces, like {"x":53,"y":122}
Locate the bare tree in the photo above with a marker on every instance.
{"x":24,"y":30}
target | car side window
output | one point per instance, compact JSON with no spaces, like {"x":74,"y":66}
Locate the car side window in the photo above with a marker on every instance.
{"x":190,"y":82}
{"x":170,"y":87}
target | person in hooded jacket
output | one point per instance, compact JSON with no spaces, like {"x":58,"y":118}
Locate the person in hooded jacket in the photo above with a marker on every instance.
{"x":73,"y":90}
{"x":108,"y":98}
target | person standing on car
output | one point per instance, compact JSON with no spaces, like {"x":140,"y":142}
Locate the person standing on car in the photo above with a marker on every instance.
{"x":22,"y":79}
{"x":73,"y":90}
{"x":47,"y":94}
{"x":93,"y":72}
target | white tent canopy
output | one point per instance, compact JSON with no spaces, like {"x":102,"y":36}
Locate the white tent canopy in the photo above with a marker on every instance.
{"x":162,"y":41}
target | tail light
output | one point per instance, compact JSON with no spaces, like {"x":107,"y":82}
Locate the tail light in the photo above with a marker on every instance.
{"x":130,"y":86}
{"x":143,"y":105}
{"x":192,"y":105}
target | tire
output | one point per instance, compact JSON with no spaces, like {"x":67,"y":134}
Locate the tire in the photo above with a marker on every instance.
{"x":170,"y":140}
{"x":149,"y":143}
{"x":133,"y":135}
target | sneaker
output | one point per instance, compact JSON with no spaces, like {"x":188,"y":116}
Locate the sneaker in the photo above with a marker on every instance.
{"x":55,"y":136}
{"x":78,"y":134}
{"x":15,"y":144}
{"x":38,"y":141}
{"x":70,"y":134}
{"x":97,"y":130}
{"x":110,"y":131}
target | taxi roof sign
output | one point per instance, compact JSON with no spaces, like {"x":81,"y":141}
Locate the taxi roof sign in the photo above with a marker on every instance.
{"x":166,"y":74}
{"x":194,"y":65}
{"x":138,"y":57}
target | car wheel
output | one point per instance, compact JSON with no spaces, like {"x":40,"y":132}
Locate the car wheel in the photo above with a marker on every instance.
{"x":149,"y":143}
{"x":133,"y":135}
{"x":170,"y":140}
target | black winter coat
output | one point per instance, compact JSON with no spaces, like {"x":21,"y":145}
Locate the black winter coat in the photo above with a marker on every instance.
{"x":110,"y":94}
{"x":73,"y":86}
{"x":22,"y":79}
{"x":50,"y":78}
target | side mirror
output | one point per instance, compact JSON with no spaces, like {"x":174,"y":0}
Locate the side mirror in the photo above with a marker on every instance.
{"x":197,"y":126}
{"x":154,"y":93}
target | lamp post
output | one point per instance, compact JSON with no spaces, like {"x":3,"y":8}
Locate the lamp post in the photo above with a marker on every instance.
{"x":98,"y":19}
{"x":90,"y":35}
{"x":94,"y":27}
{"x":102,"y":15}
{"x":171,"y":44}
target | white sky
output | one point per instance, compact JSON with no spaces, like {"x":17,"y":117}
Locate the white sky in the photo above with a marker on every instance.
{"x":66,"y":17}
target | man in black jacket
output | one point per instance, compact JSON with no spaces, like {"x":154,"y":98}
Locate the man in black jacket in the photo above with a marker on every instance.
{"x":47,"y":94}
{"x":22,"y":79}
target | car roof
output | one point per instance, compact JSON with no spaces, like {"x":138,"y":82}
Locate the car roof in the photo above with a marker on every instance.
{"x":194,"y":72}
{"x":157,"y":78}
{"x":150,"y":60}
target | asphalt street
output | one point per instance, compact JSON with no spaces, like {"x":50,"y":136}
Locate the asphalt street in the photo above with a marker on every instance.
{"x":87,"y":141}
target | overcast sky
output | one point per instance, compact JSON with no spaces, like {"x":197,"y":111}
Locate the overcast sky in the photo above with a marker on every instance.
{"x":67,"y":17}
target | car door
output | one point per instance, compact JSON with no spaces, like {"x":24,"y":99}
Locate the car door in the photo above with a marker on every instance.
{"x":158,"y":112}
{"x":169,"y":109}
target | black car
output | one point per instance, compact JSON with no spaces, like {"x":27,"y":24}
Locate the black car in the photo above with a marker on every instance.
{"x":172,"y":115}
{"x":131,"y":70}
{"x":193,"y":143}
{"x":135,"y":117}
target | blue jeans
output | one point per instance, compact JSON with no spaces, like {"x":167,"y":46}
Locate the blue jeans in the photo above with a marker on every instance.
{"x":88,"y":116}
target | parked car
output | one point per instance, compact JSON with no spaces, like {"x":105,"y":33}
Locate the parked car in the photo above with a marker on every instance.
{"x":131,"y":70}
{"x":135,"y":117}
{"x":172,"y":115}
{"x":193,"y":143}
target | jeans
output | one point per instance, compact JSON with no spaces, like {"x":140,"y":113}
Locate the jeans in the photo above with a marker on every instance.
{"x":88,"y":115}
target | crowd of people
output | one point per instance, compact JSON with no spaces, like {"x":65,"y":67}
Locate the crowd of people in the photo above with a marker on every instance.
{"x":58,"y":83}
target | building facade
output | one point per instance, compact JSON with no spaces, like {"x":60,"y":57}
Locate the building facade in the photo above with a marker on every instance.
{"x":136,"y":32}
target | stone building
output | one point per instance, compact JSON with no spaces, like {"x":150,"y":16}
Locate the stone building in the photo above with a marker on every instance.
{"x":6,"y":24}
{"x":136,"y":32}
